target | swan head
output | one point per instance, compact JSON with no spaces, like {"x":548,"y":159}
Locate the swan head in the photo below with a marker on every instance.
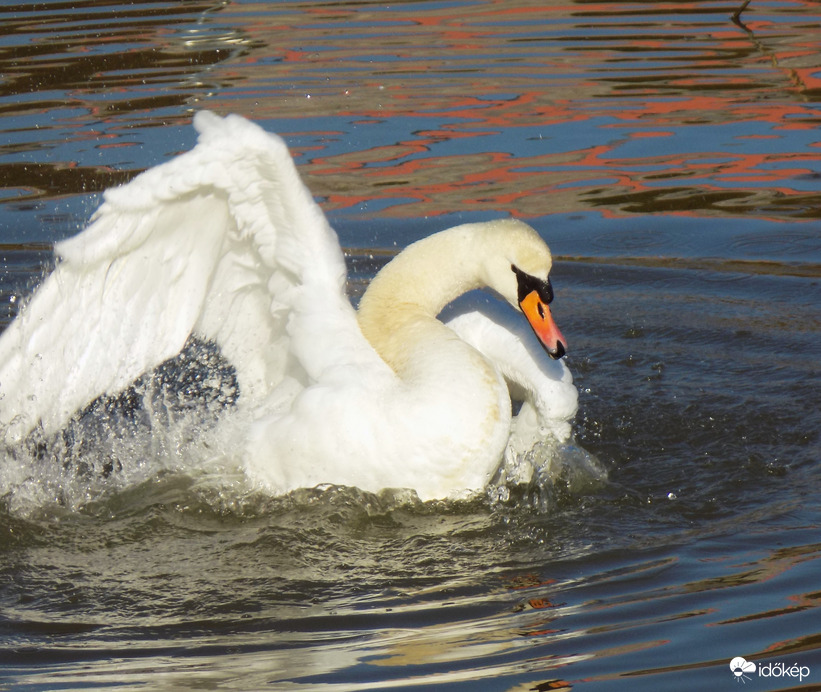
{"x":505,"y":255}
{"x":521,"y":274}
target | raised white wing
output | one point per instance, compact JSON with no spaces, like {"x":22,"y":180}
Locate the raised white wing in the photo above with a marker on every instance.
{"x":223,"y":242}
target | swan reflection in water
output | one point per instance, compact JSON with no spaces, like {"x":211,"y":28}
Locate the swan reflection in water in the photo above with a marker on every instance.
{"x":222,"y":251}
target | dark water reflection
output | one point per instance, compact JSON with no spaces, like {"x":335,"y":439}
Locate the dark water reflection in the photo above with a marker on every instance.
{"x":81,"y":79}
{"x":670,"y":158}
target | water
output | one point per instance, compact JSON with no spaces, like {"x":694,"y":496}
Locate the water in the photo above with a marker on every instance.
{"x":669,"y":157}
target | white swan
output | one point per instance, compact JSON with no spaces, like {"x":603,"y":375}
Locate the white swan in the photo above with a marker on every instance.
{"x":226,"y":243}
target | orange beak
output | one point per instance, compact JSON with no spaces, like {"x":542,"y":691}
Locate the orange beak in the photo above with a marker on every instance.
{"x":538,"y":314}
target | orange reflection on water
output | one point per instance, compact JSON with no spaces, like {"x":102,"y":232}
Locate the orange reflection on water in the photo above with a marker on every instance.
{"x":526,"y":108}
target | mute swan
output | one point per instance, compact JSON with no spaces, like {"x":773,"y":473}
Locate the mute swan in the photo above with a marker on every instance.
{"x":225,"y":243}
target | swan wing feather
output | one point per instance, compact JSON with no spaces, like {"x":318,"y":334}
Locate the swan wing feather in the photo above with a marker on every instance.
{"x":224,"y":242}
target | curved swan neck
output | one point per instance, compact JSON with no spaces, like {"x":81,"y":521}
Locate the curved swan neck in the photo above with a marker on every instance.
{"x":399,"y":309}
{"x":427,"y":274}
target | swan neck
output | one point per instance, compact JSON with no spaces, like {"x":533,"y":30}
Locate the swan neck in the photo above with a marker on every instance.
{"x":398,"y":311}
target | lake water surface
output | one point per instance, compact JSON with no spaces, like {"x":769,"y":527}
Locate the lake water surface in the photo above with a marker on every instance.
{"x":672,"y":160}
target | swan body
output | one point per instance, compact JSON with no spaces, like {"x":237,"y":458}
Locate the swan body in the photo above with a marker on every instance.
{"x":226,"y":244}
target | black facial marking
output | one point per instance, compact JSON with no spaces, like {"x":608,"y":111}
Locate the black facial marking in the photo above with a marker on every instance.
{"x":528,"y":284}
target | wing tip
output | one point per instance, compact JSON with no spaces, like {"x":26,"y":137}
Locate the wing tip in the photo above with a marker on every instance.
{"x":206,"y":120}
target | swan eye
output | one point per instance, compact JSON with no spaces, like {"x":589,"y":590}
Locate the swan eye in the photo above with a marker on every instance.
{"x":528,"y":283}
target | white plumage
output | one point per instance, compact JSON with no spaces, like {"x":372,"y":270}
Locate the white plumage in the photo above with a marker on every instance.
{"x":225,"y":243}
